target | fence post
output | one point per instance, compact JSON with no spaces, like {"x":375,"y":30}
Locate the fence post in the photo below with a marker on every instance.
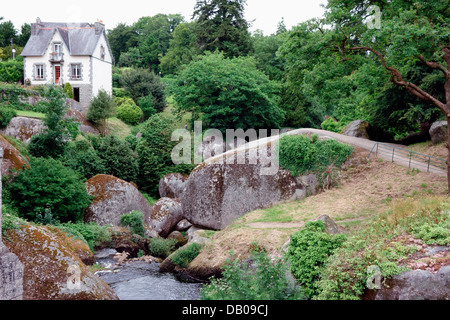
{"x":429,"y":160}
{"x":410,"y":156}
{"x":393,"y":153}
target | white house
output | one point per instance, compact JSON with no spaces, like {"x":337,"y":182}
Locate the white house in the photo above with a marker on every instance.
{"x":75,"y":53}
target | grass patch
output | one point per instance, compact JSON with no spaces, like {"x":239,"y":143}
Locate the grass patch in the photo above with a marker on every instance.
{"x":274,"y":214}
{"x":119,"y":128}
{"x":183,"y":256}
{"x":30,"y":114}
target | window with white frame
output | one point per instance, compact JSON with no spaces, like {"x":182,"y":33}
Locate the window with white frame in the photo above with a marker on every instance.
{"x":39,"y":72}
{"x":76,"y":71}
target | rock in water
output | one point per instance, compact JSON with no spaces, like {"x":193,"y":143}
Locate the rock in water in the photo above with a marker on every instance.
{"x":172,"y":185}
{"x":113,"y":198}
{"x":220,"y":190}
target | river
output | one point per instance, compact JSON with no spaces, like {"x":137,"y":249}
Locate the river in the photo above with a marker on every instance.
{"x":142,"y":281}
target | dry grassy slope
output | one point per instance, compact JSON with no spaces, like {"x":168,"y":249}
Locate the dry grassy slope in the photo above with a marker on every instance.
{"x":364,"y":190}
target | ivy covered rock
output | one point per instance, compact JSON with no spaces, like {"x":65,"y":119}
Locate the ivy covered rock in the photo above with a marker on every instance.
{"x":113,"y":197}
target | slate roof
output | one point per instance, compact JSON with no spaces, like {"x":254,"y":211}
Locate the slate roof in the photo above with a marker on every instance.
{"x":80,"y":38}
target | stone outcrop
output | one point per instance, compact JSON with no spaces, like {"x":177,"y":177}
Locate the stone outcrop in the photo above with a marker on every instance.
{"x":166,"y":213}
{"x":357,"y":128}
{"x":23,"y":128}
{"x":220,"y":190}
{"x":414,"y":285}
{"x":113,"y":198}
{"x":438,"y":132}
{"x":11,"y":269}
{"x":172,"y":185}
{"x":52,"y":271}
{"x":12,"y":159}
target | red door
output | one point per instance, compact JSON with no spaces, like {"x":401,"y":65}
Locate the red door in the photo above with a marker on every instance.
{"x":57,"y":74}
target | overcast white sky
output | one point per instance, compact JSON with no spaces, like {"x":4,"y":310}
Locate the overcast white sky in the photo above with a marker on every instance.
{"x":266,"y":13}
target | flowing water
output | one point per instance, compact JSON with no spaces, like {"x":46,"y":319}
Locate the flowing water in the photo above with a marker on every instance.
{"x":142,"y":281}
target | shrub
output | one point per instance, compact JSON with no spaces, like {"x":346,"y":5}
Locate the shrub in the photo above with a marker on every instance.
{"x":264,"y":279}
{"x":46,"y":145}
{"x":134,"y":220}
{"x":160,"y":247}
{"x":332,"y":125}
{"x":11,"y":71}
{"x":49,"y":184}
{"x":345,"y":276}
{"x":142,"y":83}
{"x":82,"y":158}
{"x":6,"y":114}
{"x":91,"y":233}
{"x":183,"y":256}
{"x":101,"y":107}
{"x":68,"y":90}
{"x":129,"y":113}
{"x":120,"y":93}
{"x":302,"y":155}
{"x":308,"y":252}
{"x":147,"y":104}
{"x":118,"y":158}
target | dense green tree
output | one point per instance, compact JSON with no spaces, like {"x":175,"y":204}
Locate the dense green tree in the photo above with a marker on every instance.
{"x":221,"y":25}
{"x":7,"y":32}
{"x":121,"y":39}
{"x":59,"y":130}
{"x":265,"y":49}
{"x":49,"y":186}
{"x":228,"y":94}
{"x":142,"y":83}
{"x":182,"y":50}
{"x":154,"y":37}
{"x":398,"y":36}
{"x":132,"y":59}
{"x":101,"y":108}
{"x":118,"y":158}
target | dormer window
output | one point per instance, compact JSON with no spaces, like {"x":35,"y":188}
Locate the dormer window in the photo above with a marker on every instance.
{"x":57,"y":48}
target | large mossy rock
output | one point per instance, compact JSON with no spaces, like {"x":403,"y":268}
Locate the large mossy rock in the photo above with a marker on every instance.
{"x":12,"y":159}
{"x":218,"y":191}
{"x":23,"y":128}
{"x":357,"y":128}
{"x":439,"y":132}
{"x":49,"y":266}
{"x":414,"y":285}
{"x":113,"y":197}
{"x":166,"y":213}
{"x":172,"y":185}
